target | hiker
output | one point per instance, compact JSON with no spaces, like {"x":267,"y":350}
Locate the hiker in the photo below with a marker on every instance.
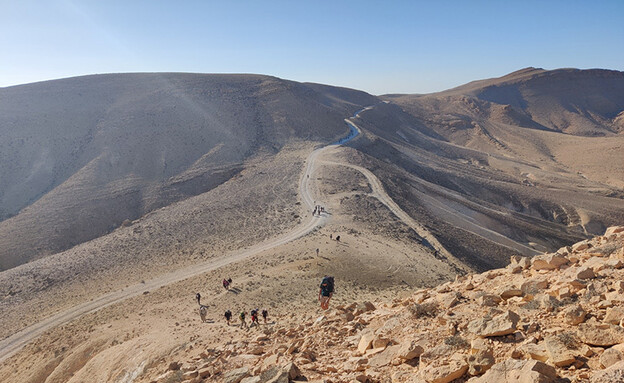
{"x":317,"y":252}
{"x":338,"y":238}
{"x":326,"y":291}
{"x":265,"y":313}
{"x":203,"y":310}
{"x":228,"y":316}
{"x":198,"y":297}
{"x":226,"y":284}
{"x":254,"y":318}
{"x":242,"y":319}
{"x":330,"y":236}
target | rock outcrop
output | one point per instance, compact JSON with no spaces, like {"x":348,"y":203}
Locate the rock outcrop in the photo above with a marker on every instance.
{"x":553,"y":318}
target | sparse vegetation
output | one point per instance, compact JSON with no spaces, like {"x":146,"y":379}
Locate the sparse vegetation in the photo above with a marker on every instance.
{"x":569,"y":339}
{"x":457,"y":342}
{"x":425,"y":310}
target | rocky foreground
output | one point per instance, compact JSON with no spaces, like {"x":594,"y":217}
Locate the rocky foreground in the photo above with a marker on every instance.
{"x":553,"y":318}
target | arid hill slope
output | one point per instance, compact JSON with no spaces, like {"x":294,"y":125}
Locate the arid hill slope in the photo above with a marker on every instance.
{"x":79,"y":156}
{"x":492,"y":166}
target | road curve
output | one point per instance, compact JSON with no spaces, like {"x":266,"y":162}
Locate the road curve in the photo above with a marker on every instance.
{"x":12,"y":344}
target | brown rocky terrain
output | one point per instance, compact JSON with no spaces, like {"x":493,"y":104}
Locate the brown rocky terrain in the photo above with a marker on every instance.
{"x":553,"y":318}
{"x":127,"y":194}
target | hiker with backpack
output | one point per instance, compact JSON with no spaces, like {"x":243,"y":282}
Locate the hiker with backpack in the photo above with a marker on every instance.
{"x":265,"y":313}
{"x":226,"y":284}
{"x":254,"y":318}
{"x":198,"y":297}
{"x":228,"y":316}
{"x":326,"y":291}
{"x":242,"y":319}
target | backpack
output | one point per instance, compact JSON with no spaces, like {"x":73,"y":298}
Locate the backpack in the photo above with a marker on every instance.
{"x":327,"y":285}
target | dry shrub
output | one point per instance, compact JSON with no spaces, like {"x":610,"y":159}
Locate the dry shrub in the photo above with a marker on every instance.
{"x":425,"y":310}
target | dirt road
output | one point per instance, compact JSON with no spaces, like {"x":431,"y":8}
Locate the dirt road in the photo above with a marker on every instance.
{"x":15,"y":342}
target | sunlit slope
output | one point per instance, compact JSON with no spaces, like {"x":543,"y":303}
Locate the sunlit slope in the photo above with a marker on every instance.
{"x":79,"y":156}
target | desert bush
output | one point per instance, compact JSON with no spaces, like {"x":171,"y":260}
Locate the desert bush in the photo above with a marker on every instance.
{"x":457,"y":341}
{"x":569,"y":339}
{"x":424,"y":310}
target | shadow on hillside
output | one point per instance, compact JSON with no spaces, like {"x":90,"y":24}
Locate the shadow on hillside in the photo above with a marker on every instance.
{"x":234,"y":290}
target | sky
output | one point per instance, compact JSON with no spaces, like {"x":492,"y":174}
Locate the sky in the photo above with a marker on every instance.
{"x":376,"y":46}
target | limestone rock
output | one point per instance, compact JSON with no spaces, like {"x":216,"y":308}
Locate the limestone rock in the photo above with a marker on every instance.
{"x":480,"y":362}
{"x":409,"y":350}
{"x":604,"y":335}
{"x":585,"y":273}
{"x":489,"y":300}
{"x":448,"y":300}
{"x":444,"y":373}
{"x":558,"y":353}
{"x":580,"y":246}
{"x":292,"y":370}
{"x":519,"y":371}
{"x":502,"y":324}
{"x":548,"y":262}
{"x":236,"y":375}
{"x":610,"y":357}
{"x":615,"y":373}
{"x":365,"y":342}
{"x":535,"y":351}
{"x":534,"y":286}
{"x":574,"y":315}
{"x":614,"y":230}
{"x":509,"y":292}
{"x":614,"y":315}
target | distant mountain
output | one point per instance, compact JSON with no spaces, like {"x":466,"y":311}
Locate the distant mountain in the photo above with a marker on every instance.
{"x":524,"y":163}
{"x":535,"y":157}
{"x":79,"y":156}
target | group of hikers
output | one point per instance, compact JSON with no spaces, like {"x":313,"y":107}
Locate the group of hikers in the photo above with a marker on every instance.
{"x":318,"y":209}
{"x":326,"y":291}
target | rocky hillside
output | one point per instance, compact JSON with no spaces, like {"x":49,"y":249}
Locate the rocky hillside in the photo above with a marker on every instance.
{"x":556,"y":317}
{"x":80,"y":156}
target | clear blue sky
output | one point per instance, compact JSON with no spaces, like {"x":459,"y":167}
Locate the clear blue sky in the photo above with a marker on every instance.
{"x":376,"y":46}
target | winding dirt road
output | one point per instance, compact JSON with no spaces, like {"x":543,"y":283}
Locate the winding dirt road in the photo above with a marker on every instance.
{"x":9,"y":346}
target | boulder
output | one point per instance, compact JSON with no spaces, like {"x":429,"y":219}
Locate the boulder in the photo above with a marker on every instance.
{"x":585,"y":273}
{"x":409,"y":350}
{"x":614,"y":230}
{"x":534,"y":286}
{"x":548,"y":262}
{"x":558,"y":353}
{"x":445,"y":372}
{"x":252,"y":379}
{"x":580,"y":246}
{"x":604,"y":335}
{"x":535,"y":351}
{"x":610,"y":357}
{"x":365,"y":342}
{"x":574,"y":314}
{"x":508,"y":292}
{"x":448,"y":300}
{"x":480,"y":362}
{"x":236,"y":375}
{"x":292,"y":370}
{"x":614,"y":315}
{"x":502,"y":324}
{"x":489,"y":300}
{"x":613,"y":374}
{"x":519,"y":371}
{"x":380,"y":342}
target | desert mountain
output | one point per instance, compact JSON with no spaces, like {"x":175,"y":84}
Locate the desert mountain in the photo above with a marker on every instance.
{"x":81,"y":155}
{"x":124,"y":195}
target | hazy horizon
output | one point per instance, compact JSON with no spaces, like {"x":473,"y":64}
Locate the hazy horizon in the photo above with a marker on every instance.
{"x":404,"y":47}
